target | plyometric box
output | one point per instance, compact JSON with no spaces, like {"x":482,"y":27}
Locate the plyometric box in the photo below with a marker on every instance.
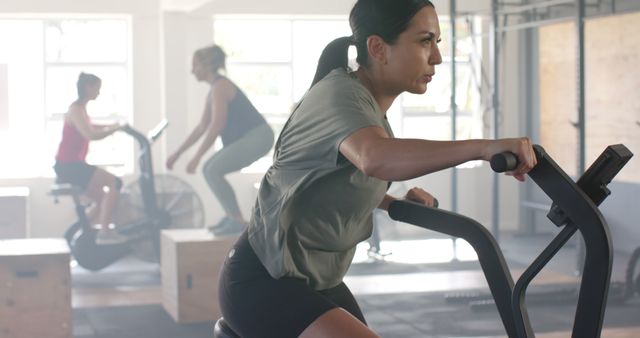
{"x":35,"y":288}
{"x":191,"y":261}
{"x":14,"y":208}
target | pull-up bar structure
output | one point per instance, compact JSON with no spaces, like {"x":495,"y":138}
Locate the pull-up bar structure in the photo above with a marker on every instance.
{"x":526,"y":11}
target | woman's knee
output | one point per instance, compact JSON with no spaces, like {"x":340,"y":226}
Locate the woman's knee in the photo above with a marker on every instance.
{"x":113,"y":183}
{"x":210,"y":165}
{"x":212,"y":171}
{"x":101,"y":179}
{"x":337,"y":323}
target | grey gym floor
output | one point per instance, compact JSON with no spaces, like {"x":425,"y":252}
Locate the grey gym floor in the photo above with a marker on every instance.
{"x":398,"y":300}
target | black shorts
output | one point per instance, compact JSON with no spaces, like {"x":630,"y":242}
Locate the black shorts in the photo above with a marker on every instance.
{"x":255,"y":305}
{"x":76,"y":173}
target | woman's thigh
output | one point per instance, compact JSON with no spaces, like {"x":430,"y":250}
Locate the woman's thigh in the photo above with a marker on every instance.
{"x":337,"y":323}
{"x":256,"y":305}
{"x":100,"y":179}
{"x":251,"y":147}
{"x":76,"y":173}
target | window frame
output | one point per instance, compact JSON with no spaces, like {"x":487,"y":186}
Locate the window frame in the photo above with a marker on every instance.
{"x":398,"y":122}
{"x":49,"y":121}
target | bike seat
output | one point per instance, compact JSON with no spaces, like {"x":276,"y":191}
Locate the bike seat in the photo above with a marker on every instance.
{"x":223,"y":330}
{"x":65,"y":189}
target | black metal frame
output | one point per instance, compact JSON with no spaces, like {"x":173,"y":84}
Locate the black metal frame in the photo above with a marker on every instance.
{"x":577,"y":202}
{"x":146,"y":180}
{"x":81,"y":236}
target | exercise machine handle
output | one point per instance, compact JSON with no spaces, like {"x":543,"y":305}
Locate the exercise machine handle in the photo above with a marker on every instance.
{"x":505,"y":161}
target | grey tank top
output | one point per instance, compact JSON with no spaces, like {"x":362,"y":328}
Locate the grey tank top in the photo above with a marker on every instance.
{"x":242,"y":117}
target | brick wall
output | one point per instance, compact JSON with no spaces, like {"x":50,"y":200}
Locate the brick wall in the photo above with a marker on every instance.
{"x":612,"y":47}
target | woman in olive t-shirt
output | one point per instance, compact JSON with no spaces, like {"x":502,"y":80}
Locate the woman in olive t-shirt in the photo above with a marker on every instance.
{"x":332,"y":164}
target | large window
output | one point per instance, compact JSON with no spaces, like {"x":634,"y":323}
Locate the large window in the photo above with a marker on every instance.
{"x":274,"y":59}
{"x":40,"y":61}
{"x":429,"y":115}
{"x":275,"y":73}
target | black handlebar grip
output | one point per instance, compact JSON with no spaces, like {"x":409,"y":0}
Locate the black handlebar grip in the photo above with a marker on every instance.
{"x":435,"y":203}
{"x":502,"y":162}
{"x":126,"y":128}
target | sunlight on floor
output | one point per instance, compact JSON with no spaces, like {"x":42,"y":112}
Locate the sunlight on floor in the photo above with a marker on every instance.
{"x":440,"y":250}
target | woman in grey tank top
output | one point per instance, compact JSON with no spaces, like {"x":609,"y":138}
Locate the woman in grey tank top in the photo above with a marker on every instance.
{"x":332,"y":163}
{"x":245,"y":135}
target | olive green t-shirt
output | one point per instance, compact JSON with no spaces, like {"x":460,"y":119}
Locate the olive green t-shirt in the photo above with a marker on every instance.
{"x":314,"y":206}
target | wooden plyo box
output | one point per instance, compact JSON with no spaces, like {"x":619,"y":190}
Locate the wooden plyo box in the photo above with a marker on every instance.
{"x":35,"y":288}
{"x":14,"y":208}
{"x":190,"y":262}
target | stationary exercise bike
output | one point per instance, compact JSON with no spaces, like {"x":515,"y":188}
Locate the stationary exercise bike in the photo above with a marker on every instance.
{"x":574,"y":209}
{"x":146,"y":206}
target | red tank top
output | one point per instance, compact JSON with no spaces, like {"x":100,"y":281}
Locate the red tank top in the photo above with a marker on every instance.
{"x":73,"y":146}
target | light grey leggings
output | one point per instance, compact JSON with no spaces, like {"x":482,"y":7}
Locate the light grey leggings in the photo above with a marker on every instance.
{"x":239,"y":154}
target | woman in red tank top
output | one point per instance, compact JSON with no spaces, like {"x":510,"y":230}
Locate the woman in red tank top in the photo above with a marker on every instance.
{"x":71,"y":167}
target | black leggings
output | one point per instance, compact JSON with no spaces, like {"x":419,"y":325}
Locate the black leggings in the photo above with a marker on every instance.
{"x":253,"y":145}
{"x":256,"y":305}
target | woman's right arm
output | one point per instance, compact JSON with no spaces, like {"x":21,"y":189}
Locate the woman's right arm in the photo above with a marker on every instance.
{"x":378,"y":155}
{"x":195,"y":135}
{"x":192,"y":138}
{"x":77,"y":117}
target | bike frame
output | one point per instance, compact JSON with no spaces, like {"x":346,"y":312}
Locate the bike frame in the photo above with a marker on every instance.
{"x":577,"y":202}
{"x":146,"y":179}
{"x":82,"y":237}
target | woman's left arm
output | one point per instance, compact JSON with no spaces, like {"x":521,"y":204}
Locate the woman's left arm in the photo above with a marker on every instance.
{"x":384,"y":205}
{"x":414,"y":194}
{"x":106,"y":127}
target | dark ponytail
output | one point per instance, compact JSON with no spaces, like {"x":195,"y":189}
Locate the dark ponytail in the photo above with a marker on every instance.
{"x":335,"y":55}
{"x":385,"y":18}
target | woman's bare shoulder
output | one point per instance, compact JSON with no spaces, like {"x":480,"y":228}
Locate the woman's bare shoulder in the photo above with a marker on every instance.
{"x":76,"y":111}
{"x":76,"y":107}
{"x":224,"y":88}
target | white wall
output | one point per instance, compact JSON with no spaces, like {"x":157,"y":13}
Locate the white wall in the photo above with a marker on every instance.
{"x":324,"y":7}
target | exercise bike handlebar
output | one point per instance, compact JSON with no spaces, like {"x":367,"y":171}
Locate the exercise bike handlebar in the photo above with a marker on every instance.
{"x":584,"y":216}
{"x":489,"y":254}
{"x":147,"y":181}
{"x":146,"y":140}
{"x":138,"y":136}
{"x":504,"y":162}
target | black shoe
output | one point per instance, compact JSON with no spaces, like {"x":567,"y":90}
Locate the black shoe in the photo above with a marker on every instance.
{"x":109,"y":237}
